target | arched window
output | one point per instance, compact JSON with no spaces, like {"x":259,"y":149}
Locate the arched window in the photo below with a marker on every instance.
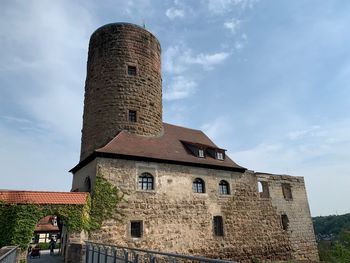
{"x":224,"y":188}
{"x":198,"y":186}
{"x":146,"y":181}
{"x":87,"y":184}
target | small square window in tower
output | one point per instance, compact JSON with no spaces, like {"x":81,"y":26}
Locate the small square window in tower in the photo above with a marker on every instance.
{"x":132,"y":116}
{"x":218,"y":225}
{"x":131,"y":70}
{"x":136,"y":229}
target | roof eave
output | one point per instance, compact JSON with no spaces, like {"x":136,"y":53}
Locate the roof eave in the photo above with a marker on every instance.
{"x":95,"y":154}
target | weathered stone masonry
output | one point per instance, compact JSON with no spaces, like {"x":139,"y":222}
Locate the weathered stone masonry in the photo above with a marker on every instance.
{"x":123,"y":75}
{"x":178,"y":220}
{"x":110,"y":92}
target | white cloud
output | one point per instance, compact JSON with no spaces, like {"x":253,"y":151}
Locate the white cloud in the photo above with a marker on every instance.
{"x":224,"y":6}
{"x":177,"y":59}
{"x":173,"y":13}
{"x":219,"y":130}
{"x":320,"y":154}
{"x":299,"y":134}
{"x":208,"y":61}
{"x":179,"y":88}
{"x":233,"y":25}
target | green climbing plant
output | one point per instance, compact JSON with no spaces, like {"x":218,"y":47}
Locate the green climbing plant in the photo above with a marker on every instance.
{"x":17,"y":221}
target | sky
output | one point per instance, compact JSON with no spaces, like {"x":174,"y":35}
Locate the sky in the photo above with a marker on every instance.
{"x":267,"y":80}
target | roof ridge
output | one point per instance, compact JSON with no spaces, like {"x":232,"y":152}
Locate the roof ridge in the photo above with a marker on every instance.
{"x":34,"y":191}
{"x":183,"y":127}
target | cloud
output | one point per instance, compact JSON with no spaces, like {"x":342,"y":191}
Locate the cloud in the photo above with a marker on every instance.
{"x":225,"y":6}
{"x":177,"y":59}
{"x":208,"y":61}
{"x":299,"y":134}
{"x":233,"y":25}
{"x":319,"y":153}
{"x":173,"y":13}
{"x":179,"y":88}
{"x":219,"y":130}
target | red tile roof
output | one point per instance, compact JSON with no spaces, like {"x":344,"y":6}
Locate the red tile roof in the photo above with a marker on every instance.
{"x":40,"y":197}
{"x":45,"y":225}
{"x":167,"y":147}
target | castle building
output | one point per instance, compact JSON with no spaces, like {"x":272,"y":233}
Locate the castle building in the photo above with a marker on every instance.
{"x":182,"y":193}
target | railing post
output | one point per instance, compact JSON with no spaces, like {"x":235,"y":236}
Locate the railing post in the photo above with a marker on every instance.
{"x":114,"y":255}
{"x":106,"y":253}
{"x":99,"y":254}
{"x":136,"y":258}
{"x":93,"y":254}
{"x":126,"y":256}
{"x":152,"y":259}
{"x":86,"y":253}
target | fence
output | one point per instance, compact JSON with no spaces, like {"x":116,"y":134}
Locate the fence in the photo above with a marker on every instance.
{"x":8,"y":254}
{"x":102,"y":253}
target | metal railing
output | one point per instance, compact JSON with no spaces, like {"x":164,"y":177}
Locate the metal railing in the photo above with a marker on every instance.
{"x":105,"y":253}
{"x":8,"y":254}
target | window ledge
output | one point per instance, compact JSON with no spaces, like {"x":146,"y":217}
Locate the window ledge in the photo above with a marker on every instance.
{"x":146,"y":191}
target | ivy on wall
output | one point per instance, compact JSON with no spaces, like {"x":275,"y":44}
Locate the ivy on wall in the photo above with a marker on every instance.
{"x":18,"y":221}
{"x":103,"y":203}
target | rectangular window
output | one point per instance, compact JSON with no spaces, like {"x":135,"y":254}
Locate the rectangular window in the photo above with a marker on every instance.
{"x":285,"y":222}
{"x":219,"y":155}
{"x":136,"y":229}
{"x":131,"y":70}
{"x":218,"y":226}
{"x":201,"y":153}
{"x":263,"y":188}
{"x":132,"y":116}
{"x":287,"y":191}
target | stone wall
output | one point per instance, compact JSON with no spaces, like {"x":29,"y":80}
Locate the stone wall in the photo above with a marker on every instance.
{"x":177,"y":220}
{"x":110,"y":92}
{"x":300,"y":228}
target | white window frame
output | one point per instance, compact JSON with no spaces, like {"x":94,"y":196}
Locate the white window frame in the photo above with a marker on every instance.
{"x":219,"y":156}
{"x":201,"y":153}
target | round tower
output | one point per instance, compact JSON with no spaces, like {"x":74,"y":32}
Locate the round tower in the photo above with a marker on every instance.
{"x":123,"y":88}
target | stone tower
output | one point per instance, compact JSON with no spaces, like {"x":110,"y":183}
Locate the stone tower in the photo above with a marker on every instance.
{"x":123,"y":88}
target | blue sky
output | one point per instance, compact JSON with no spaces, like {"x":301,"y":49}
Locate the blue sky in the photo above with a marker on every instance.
{"x":266,"y":80}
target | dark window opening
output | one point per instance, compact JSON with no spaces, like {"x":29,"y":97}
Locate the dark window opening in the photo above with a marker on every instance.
{"x":198,"y":186}
{"x":263,"y":188}
{"x":87,"y":184}
{"x":285,"y":222}
{"x":218,"y":226}
{"x":287,"y":191}
{"x":131,"y":70}
{"x":136,"y":229}
{"x":132,"y":116}
{"x":146,"y":181}
{"x":224,"y":188}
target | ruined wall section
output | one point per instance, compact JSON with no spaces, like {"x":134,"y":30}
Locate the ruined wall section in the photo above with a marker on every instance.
{"x":300,"y":228}
{"x":177,"y":220}
{"x":111,"y":91}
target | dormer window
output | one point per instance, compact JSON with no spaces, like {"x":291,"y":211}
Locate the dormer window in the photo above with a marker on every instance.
{"x":201,"y":153}
{"x":220,"y":156}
